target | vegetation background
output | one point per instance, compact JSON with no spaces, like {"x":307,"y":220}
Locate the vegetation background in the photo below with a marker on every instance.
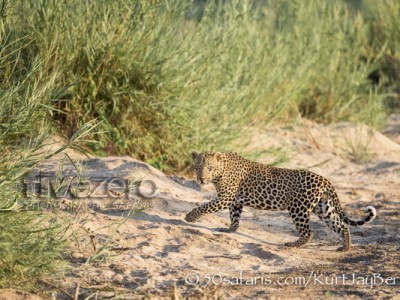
{"x":159,"y":78}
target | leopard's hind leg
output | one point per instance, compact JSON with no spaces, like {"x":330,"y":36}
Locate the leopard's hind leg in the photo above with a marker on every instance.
{"x":330,"y":216}
{"x":301,"y":219}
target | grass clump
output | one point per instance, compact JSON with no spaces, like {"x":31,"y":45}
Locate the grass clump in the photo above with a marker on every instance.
{"x":29,"y":249}
{"x":31,"y":243}
{"x":165,"y":77}
{"x":357,"y":145}
{"x":29,"y":246}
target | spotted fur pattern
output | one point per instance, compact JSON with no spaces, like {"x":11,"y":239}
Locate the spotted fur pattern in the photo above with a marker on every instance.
{"x":240,"y":182}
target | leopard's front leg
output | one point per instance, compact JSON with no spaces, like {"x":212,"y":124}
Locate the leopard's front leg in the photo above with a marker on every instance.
{"x":221,"y":202}
{"x":234,"y":211}
{"x":209,"y":207}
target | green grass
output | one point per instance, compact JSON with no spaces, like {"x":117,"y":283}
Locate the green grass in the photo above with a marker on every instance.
{"x":165,"y":77}
{"x":31,"y":243}
{"x":29,"y":249}
{"x":357,"y":148}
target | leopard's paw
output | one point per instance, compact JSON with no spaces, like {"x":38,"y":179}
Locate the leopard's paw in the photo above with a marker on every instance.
{"x":191,"y":217}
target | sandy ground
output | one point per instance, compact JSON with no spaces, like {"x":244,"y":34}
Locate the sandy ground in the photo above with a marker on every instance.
{"x":138,"y":246}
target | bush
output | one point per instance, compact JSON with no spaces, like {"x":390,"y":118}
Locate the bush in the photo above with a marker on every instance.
{"x":31,"y":243}
{"x":29,"y":246}
{"x":164,"y":77}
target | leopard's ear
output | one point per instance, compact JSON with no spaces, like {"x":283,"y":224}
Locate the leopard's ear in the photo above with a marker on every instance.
{"x":194,"y":155}
{"x":218,"y":155}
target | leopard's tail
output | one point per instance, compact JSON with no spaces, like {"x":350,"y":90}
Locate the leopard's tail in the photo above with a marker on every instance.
{"x":371,"y":214}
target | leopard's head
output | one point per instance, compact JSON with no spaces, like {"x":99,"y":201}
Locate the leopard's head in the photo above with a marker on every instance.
{"x":208,"y":166}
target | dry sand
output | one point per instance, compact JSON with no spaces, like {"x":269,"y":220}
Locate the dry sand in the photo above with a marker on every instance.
{"x":140,"y":247}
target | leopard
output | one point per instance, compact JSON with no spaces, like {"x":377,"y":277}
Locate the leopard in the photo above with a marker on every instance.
{"x":241,"y":182}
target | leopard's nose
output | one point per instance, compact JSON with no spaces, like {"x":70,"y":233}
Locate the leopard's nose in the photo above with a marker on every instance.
{"x":201,"y":180}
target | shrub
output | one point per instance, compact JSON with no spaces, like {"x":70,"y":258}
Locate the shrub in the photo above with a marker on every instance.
{"x":164,"y":77}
